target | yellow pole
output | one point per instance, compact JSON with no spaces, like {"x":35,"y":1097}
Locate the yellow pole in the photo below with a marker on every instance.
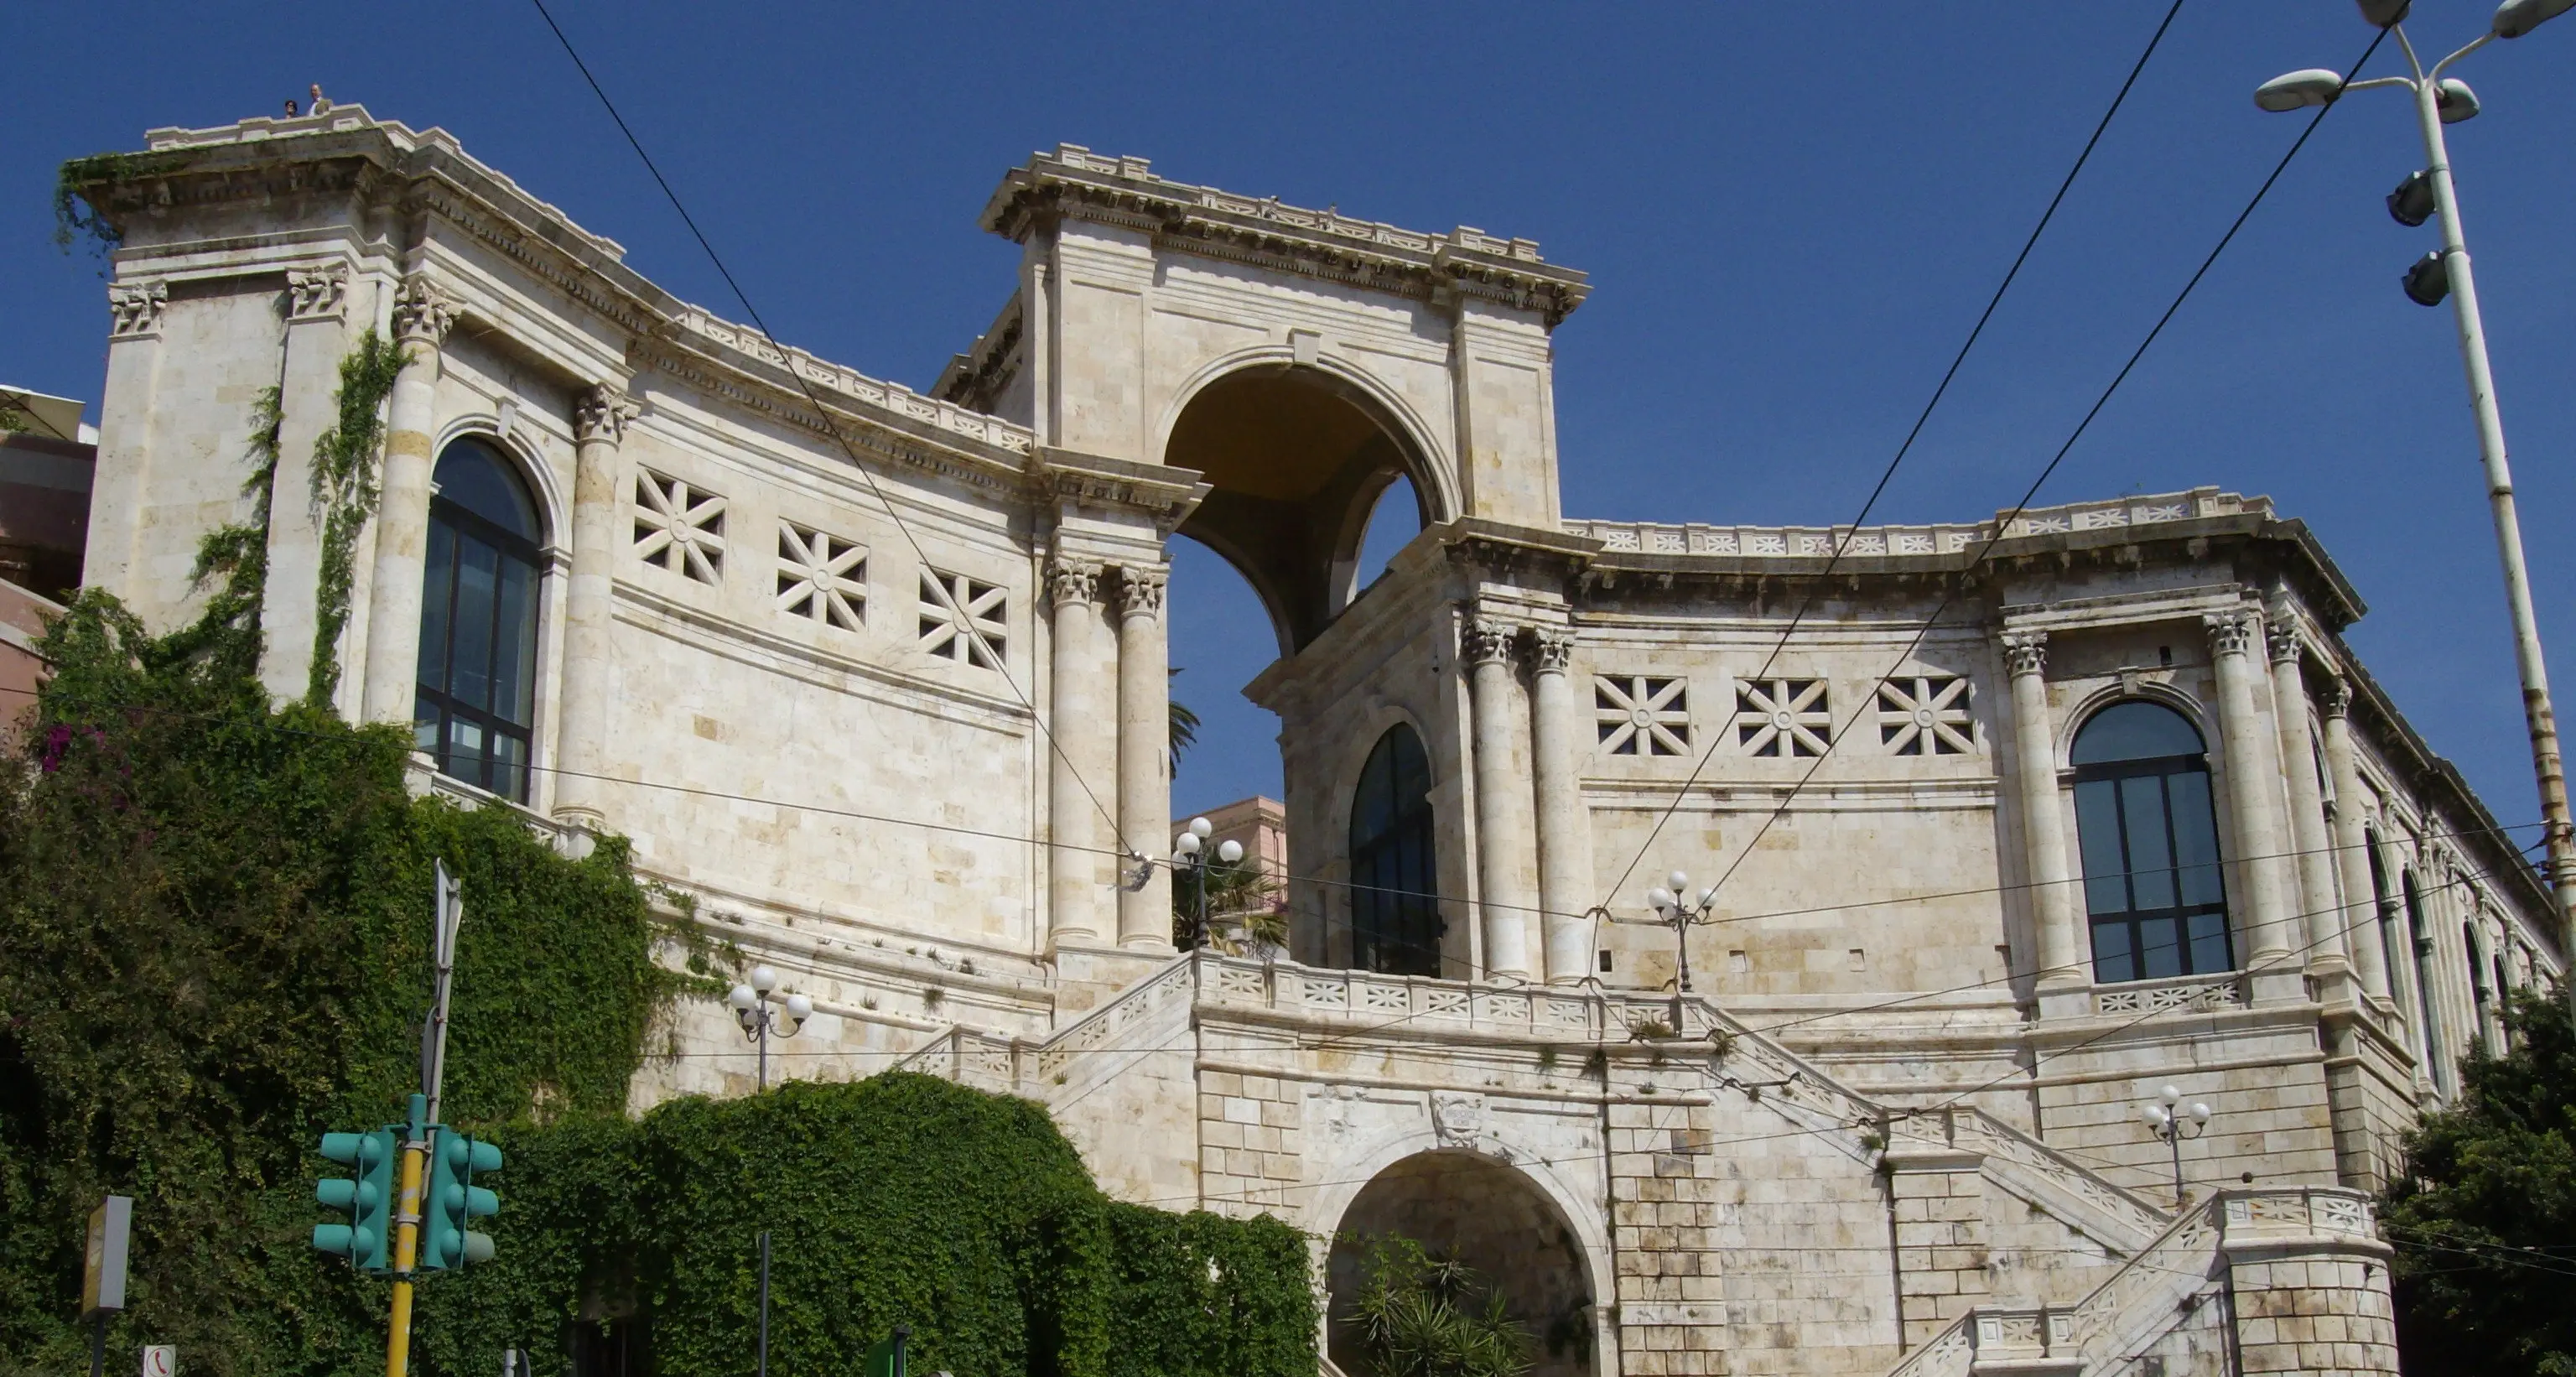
{"x":406,"y":1250}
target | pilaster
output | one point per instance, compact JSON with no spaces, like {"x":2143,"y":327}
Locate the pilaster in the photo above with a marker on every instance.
{"x":122,"y":477}
{"x":2063,"y":975}
{"x":2360,"y":917}
{"x":589,"y":667}
{"x":316,"y":338}
{"x":1078,"y":868}
{"x":2301,"y":770}
{"x":1937,"y":1199}
{"x":1564,"y":841}
{"x":422,"y":317}
{"x":2253,"y":789}
{"x":1502,"y":825}
{"x":1144,"y":754}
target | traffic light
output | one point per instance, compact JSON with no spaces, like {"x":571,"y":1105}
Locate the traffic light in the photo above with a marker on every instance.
{"x":366,"y":1193}
{"x":454,"y":1201}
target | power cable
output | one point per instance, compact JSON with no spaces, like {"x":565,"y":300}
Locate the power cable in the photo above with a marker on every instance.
{"x":1920,"y":420}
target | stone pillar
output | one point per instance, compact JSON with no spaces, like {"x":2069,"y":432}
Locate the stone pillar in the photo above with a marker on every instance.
{"x":1074,"y":870}
{"x":589,"y":662}
{"x":2352,"y":846}
{"x":2309,"y":1281}
{"x":316,"y":304}
{"x":2299,"y":766}
{"x":125,"y":410}
{"x":1144,"y":749}
{"x":2253,"y":789}
{"x":422,"y":317}
{"x":2043,"y":819}
{"x":1938,"y":1197}
{"x":1501,"y":843}
{"x":1564,"y":838}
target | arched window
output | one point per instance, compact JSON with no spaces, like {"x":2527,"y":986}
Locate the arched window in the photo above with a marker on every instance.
{"x":478,"y":622}
{"x":2384,"y":905}
{"x":1395,"y":920}
{"x":2151,"y":868}
{"x":2422,"y":947}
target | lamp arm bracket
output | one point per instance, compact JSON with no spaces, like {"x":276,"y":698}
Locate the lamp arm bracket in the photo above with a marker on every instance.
{"x":2479,"y":42}
{"x":2413,"y":63}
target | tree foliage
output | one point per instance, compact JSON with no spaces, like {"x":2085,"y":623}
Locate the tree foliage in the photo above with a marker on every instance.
{"x":2484,"y":1218}
{"x":1424,"y":1316}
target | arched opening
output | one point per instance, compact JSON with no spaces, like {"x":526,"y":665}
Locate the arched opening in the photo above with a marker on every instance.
{"x":1392,"y":524}
{"x":475,"y":710}
{"x":1395,"y":868}
{"x":1220,"y":639}
{"x":1488,"y":1217}
{"x":2152,"y":887}
{"x":1296,"y":459}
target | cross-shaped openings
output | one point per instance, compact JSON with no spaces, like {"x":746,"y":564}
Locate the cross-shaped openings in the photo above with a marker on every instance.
{"x":1926,"y":714}
{"x":679,"y":528}
{"x":822,"y":576}
{"x":963,"y":619}
{"x":1642,"y":716}
{"x":1783,"y":717}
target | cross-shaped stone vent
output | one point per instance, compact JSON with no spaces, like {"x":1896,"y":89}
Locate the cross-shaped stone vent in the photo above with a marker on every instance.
{"x":822,"y":576}
{"x":1926,"y":714}
{"x":1639,"y":715}
{"x":963,"y":619}
{"x":679,"y":528}
{"x":1783,"y":717}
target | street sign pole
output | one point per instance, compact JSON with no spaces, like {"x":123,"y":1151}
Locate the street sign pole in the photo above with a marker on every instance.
{"x":103,"y":1272}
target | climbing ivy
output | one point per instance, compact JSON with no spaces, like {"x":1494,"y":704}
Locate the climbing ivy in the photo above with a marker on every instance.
{"x":345,"y":490}
{"x":82,"y":187}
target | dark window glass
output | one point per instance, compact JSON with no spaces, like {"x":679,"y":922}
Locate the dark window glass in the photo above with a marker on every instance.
{"x":478,"y":622}
{"x":2149,"y":838}
{"x":1395,"y":920}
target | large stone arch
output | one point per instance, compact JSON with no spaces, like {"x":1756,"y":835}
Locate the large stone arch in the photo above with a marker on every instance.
{"x":1296,"y":452}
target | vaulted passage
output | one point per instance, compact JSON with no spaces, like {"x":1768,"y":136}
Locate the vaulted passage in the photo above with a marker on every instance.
{"x":1297,"y":460}
{"x":1473,"y":1210}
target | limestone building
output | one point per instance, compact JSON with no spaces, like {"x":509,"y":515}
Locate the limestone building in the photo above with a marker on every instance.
{"x":2017,"y":820}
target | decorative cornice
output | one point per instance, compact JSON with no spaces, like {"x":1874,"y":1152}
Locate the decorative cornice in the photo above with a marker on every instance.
{"x":317,"y":293}
{"x":1167,"y":495}
{"x":1074,"y":183}
{"x":1072,"y":580}
{"x":2231,"y":632}
{"x":422,"y":313}
{"x":602,"y":414}
{"x":1140,"y":591}
{"x":135,"y":308}
{"x":2025,"y":652}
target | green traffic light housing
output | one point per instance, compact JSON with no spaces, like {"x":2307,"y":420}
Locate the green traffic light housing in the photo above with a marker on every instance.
{"x":454,"y":1202}
{"x":366,"y":1193}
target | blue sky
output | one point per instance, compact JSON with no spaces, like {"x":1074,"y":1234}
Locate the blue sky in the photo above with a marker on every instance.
{"x":1791,"y":214}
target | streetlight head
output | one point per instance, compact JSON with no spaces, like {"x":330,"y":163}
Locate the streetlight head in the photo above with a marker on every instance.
{"x":1186,"y":845}
{"x":1708,"y":896}
{"x":799,"y":1007}
{"x":763,"y":980}
{"x":1659,"y":898}
{"x":2172,"y":1095}
{"x":1201,"y":827}
{"x":742,"y":998}
{"x":2454,"y":101}
{"x":2299,"y":90}
{"x":2200,"y":1114}
{"x":2155,"y":1116}
{"x":2379,"y":14}
{"x":1677,"y":882}
{"x":2514,"y":18}
{"x":1229,"y":851}
{"x":2412,"y":203}
{"x":2429,"y":281}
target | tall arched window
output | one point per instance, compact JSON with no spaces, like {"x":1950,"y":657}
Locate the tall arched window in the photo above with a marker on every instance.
{"x":2421,"y":946}
{"x":1395,"y":920}
{"x":2151,"y":868}
{"x":478,"y":622}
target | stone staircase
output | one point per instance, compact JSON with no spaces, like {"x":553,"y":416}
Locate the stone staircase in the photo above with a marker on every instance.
{"x":1074,"y":1059}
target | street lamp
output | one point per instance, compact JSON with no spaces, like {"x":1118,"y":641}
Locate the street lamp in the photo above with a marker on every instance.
{"x":1188,"y":852}
{"x":751,"y":1008}
{"x":2441,"y":100}
{"x":2165,"y":1120}
{"x":1674,"y":910}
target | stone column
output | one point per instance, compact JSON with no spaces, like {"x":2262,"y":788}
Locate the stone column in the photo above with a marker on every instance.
{"x":1500,"y":842}
{"x":422,"y":317}
{"x":1564,"y":838}
{"x":2299,"y":766}
{"x":125,"y":410}
{"x":1074,"y":870}
{"x":2253,"y":789}
{"x":316,"y":304}
{"x":2352,"y":846}
{"x":2043,"y":819}
{"x":589,"y":668}
{"x":1144,"y":748}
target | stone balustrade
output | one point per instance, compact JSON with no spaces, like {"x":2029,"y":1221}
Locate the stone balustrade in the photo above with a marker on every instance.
{"x":1815,"y":542}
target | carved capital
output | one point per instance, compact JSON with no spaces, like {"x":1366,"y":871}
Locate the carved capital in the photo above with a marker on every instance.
{"x":317,"y":293}
{"x":2026,"y":652}
{"x":1140,"y":591}
{"x":1551,"y":650}
{"x":602,"y":414}
{"x":423,"y":314}
{"x":134,"y":308}
{"x":2230,"y":632}
{"x":1072,"y":580}
{"x":1490,"y":642}
{"x":2281,"y":636}
{"x":2336,"y":697}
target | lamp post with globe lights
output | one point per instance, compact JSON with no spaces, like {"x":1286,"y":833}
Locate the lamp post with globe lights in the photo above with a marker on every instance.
{"x":2165,"y":1117}
{"x":2429,"y":194}
{"x":1673,"y":909}
{"x":760,"y":1022}
{"x":1190,"y":850}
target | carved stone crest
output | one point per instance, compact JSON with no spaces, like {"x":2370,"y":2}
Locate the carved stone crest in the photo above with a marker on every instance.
{"x":1457,"y":1118}
{"x":134,"y":308}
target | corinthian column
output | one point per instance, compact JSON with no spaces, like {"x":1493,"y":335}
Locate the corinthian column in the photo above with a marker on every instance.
{"x":599,"y":426}
{"x":2253,"y":792}
{"x":1144,"y":743}
{"x":2299,"y":765}
{"x":2043,"y":821}
{"x":422,"y":316}
{"x":1564,"y":842}
{"x":1502,"y":839}
{"x":1075,"y":871}
{"x":2352,"y":845}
